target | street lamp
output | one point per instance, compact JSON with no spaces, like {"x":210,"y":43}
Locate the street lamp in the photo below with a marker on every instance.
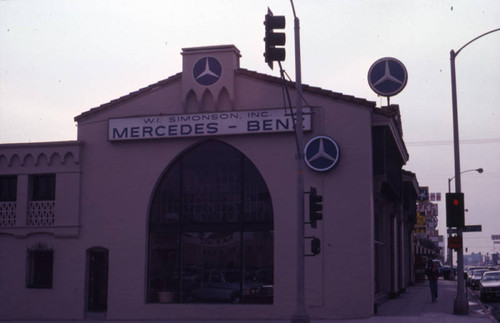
{"x":450,"y":251}
{"x":479,"y":170}
{"x":461,"y":304}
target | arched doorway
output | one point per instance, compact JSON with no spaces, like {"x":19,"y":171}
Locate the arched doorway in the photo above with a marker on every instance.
{"x":211,"y":230}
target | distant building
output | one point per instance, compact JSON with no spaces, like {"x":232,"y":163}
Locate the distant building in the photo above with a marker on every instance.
{"x":474,"y":259}
{"x":179,"y":199}
{"x":442,"y":247}
{"x":494,"y":259}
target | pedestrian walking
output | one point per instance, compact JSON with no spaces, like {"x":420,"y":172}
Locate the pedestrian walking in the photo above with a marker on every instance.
{"x":433,"y":276}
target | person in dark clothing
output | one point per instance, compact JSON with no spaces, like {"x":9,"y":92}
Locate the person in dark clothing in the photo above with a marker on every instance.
{"x":433,"y":276}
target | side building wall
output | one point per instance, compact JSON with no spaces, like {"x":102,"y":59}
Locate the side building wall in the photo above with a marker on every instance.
{"x":42,"y":215}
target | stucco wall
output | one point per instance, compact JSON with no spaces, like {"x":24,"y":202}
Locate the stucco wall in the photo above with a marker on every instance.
{"x":117,"y":182}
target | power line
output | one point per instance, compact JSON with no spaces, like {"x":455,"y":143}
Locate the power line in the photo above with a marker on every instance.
{"x":450,"y":142}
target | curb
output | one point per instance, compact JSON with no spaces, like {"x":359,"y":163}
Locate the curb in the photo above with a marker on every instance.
{"x":485,"y":308}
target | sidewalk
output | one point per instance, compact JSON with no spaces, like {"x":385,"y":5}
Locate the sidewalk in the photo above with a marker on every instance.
{"x":413,"y":306}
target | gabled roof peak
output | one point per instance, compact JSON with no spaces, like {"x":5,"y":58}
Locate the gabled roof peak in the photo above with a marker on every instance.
{"x":211,"y":71}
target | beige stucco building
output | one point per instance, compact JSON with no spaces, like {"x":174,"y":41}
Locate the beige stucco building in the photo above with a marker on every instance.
{"x":188,"y":186}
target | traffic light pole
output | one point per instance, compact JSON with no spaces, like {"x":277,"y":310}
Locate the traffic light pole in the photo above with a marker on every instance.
{"x":300,"y":315}
{"x":273,"y":52}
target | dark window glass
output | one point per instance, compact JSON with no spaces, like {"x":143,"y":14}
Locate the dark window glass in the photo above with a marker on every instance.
{"x":257,"y":201}
{"x":8,"y":188}
{"x":43,"y":187}
{"x":39,"y":268}
{"x":163,"y":264}
{"x":214,"y":262}
{"x":211,"y":230}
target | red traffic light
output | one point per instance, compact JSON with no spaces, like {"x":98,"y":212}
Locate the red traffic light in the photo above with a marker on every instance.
{"x":455,"y":211}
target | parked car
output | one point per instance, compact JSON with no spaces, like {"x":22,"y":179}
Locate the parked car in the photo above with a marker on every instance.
{"x":445,"y":271}
{"x":261,"y":294}
{"x":475,"y":277}
{"x":224,"y":286}
{"x":489,"y":285}
{"x":468,"y":273}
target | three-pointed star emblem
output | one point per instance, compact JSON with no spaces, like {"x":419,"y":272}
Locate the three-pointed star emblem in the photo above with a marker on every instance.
{"x":321,"y":153}
{"x":387,"y":76}
{"x":207,"y":71}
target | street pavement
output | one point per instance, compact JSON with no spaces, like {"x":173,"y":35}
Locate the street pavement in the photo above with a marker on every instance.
{"x":412,"y":306}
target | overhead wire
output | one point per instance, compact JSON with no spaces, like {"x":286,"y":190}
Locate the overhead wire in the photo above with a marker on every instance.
{"x":450,"y":142}
{"x":286,"y":96}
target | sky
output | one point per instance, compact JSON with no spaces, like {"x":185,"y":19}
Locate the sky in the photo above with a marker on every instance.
{"x":61,"y":58}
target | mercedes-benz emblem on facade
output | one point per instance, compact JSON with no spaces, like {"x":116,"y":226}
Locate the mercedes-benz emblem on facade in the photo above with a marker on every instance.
{"x":321,"y":153}
{"x":207,"y":70}
{"x":387,"y":76}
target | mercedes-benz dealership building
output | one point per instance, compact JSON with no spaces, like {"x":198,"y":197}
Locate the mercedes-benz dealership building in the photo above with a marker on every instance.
{"x":178,"y":201}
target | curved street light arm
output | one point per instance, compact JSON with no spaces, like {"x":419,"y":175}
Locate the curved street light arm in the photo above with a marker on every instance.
{"x":486,"y":33}
{"x":479,"y":170}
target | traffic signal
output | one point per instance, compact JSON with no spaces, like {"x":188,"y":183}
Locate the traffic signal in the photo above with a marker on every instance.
{"x":315,"y":246}
{"x":455,"y":210}
{"x":273,"y":39}
{"x":315,"y":207}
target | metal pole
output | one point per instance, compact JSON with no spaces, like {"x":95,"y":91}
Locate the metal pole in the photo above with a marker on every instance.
{"x":300,"y":315}
{"x":461,"y":304}
{"x":450,"y":257}
{"x":450,"y":251}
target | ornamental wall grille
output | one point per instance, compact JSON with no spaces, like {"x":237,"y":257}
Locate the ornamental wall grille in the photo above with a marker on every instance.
{"x":7,"y":214}
{"x":41,"y":213}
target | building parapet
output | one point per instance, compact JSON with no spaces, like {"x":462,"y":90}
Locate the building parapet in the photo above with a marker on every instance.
{"x":41,"y":183}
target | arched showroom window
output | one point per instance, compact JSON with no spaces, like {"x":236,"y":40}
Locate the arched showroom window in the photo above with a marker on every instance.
{"x":211,"y":230}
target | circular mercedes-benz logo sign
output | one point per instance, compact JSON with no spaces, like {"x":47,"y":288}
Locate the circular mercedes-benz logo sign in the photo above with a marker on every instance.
{"x":207,"y":70}
{"x":387,"y":76}
{"x":321,"y":153}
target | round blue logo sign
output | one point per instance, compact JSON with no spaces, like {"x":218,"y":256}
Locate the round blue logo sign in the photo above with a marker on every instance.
{"x":207,"y":71}
{"x":387,"y":76}
{"x":321,"y":153}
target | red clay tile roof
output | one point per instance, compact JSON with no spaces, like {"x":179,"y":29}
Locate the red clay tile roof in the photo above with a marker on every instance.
{"x":308,"y":88}
{"x":131,"y":95}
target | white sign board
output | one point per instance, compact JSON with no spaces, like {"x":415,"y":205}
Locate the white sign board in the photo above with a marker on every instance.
{"x":205,"y":124}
